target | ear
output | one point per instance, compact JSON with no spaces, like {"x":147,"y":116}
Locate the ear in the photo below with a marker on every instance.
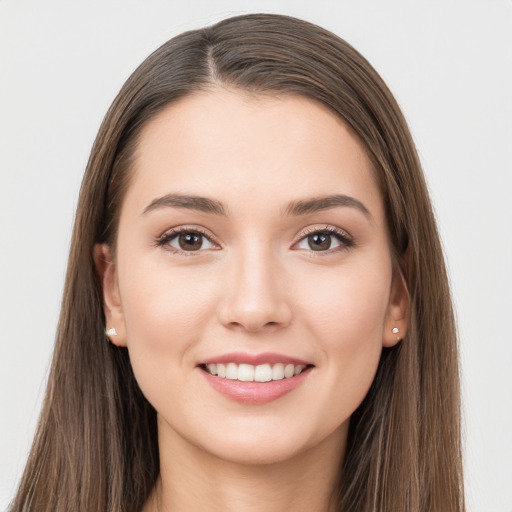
{"x":398,"y":311}
{"x":112,"y":308}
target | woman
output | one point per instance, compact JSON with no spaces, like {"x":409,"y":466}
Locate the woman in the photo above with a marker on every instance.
{"x":255,"y":238}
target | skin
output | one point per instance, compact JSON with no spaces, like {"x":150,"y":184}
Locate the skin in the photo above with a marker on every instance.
{"x":257,"y":287}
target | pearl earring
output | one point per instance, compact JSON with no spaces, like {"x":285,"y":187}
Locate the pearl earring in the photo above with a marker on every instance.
{"x":395,"y":330}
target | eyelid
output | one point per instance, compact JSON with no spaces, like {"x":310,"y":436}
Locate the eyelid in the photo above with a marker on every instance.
{"x":164,"y":239}
{"x":345,"y":238}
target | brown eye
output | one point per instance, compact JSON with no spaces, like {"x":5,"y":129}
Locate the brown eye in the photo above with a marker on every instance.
{"x":326,"y":240}
{"x":190,"y":241}
{"x":319,"y":241}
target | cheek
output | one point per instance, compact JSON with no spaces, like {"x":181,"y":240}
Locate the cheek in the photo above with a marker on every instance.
{"x":165,"y":313}
{"x":347,"y":321}
{"x":156,"y":295}
{"x":348,"y":306}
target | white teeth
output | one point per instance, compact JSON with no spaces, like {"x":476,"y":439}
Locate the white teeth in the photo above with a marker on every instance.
{"x":231,"y":371}
{"x":250,"y":373}
{"x":246,"y":372}
{"x":278,"y":371}
{"x":263,"y":373}
{"x":298,"y":369}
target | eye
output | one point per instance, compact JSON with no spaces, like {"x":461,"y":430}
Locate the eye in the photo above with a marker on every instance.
{"x":324,"y":240}
{"x":187,"y":240}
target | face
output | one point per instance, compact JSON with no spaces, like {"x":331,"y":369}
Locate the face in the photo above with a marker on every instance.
{"x":252,"y":281}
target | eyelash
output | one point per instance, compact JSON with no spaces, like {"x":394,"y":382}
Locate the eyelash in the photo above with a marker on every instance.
{"x":345,"y":240}
{"x":168,"y":236}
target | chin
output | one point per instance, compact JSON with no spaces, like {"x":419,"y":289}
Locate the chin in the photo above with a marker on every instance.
{"x":267,"y":442}
{"x":256,"y":453}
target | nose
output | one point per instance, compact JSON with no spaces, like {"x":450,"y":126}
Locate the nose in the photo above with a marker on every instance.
{"x":254,"y":296}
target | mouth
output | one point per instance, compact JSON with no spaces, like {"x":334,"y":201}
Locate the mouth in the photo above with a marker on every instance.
{"x":254,"y":373}
{"x":254,"y":379}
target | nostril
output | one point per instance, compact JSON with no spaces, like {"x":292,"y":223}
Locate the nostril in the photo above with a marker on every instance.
{"x":254,"y":316}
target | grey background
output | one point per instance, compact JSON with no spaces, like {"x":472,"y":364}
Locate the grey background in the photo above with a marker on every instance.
{"x":449,"y":63}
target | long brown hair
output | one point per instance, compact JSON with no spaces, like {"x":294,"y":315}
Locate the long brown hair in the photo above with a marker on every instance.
{"x":96,"y":449}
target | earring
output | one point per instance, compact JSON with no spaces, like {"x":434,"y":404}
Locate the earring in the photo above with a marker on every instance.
{"x":395,"y":330}
{"x":111,"y":332}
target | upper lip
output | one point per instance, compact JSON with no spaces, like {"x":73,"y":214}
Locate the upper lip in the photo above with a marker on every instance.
{"x":254,"y":359}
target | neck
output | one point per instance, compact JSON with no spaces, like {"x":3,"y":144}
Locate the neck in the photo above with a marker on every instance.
{"x":191,"y":479}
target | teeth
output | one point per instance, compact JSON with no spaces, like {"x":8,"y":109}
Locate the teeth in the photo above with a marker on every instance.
{"x":221,"y":370}
{"x":231,"y":371}
{"x":278,"y":371}
{"x":250,"y":373}
{"x":246,"y":372}
{"x":263,"y":373}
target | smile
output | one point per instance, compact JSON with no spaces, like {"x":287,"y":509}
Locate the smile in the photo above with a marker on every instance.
{"x":254,"y":379}
{"x":250,"y":373}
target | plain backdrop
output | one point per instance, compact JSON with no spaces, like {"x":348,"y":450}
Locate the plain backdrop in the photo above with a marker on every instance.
{"x":449,"y":63}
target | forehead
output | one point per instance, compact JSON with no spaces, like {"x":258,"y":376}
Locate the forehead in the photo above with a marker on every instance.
{"x":236,"y":146}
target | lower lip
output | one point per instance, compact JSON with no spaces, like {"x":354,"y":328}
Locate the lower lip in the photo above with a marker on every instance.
{"x":255,"y":393}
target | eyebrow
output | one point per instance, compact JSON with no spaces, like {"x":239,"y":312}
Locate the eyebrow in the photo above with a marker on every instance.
{"x":202,"y":204}
{"x":316,"y":204}
{"x":295,"y":208}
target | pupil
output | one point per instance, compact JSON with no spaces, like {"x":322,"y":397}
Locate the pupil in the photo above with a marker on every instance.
{"x":319,"y":241}
{"x":190,"y":241}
